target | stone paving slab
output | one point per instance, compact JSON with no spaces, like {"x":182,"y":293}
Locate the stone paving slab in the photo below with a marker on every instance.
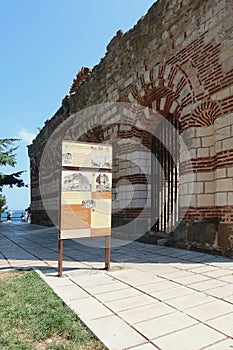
{"x":115,"y":295}
{"x":89,"y":309}
{"x":207,"y":284}
{"x":191,"y":338}
{"x":118,"y":335}
{"x":146,"y":312}
{"x":167,"y":294}
{"x":153,"y":297}
{"x":165,"y":324}
{"x":223,"y":323}
{"x":210,"y":310}
{"x":221,"y":292}
{"x":228,"y":278}
{"x":222,"y":345}
{"x":129,"y":302}
{"x":229,"y":299}
{"x":147,"y":346}
{"x":188,"y":301}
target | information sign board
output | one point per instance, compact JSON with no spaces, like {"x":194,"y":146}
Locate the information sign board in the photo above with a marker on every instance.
{"x":86,"y":192}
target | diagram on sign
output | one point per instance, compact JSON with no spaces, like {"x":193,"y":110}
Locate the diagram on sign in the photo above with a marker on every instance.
{"x":79,"y":154}
{"x":76,"y":181}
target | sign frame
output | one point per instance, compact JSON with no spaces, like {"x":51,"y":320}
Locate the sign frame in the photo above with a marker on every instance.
{"x":85,"y":158}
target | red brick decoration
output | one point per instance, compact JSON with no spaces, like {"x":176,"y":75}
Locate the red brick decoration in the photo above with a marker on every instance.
{"x":80,"y":77}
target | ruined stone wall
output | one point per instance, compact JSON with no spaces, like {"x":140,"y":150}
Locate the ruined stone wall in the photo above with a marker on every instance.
{"x":177,"y":61}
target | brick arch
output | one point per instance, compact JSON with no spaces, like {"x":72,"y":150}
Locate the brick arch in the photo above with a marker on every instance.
{"x":168,"y":91}
{"x":167,"y":88}
{"x":205,"y":114}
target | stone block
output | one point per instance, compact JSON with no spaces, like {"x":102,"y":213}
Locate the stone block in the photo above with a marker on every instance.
{"x":197,"y":187}
{"x":210,"y":187}
{"x":183,"y":189}
{"x":220,"y":173}
{"x":205,"y":131}
{"x":227,"y":65}
{"x":225,"y":236}
{"x":180,"y":232}
{"x":193,"y":201}
{"x":187,"y":178}
{"x":230,"y":198}
{"x":162,"y":103}
{"x":207,"y":141}
{"x":221,"y":198}
{"x":218,"y":146}
{"x":227,"y":23}
{"x":205,"y":200}
{"x":202,"y":232}
{"x":203,"y":152}
{"x":189,"y":133}
{"x":222,"y":93}
{"x":212,"y":151}
{"x":224,"y":185}
{"x":223,"y":133}
{"x":208,"y":176}
{"x":230,"y":172}
{"x":227,"y":144}
{"x":192,"y":153}
{"x":225,"y":120}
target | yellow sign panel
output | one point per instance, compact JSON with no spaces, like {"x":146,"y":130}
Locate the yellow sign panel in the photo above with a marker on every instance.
{"x":86,"y":190}
{"x":86,"y":155}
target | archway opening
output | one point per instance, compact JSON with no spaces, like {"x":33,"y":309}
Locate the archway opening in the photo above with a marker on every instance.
{"x":165,"y":172}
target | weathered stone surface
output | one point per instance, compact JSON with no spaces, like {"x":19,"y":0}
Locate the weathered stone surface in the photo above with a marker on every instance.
{"x":225,"y":236}
{"x":176,"y":60}
{"x":202,"y":232}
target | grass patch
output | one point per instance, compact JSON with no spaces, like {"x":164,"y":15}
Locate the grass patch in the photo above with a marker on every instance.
{"x":33,"y":317}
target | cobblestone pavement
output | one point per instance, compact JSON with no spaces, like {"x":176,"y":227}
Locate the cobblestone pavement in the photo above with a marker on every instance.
{"x":153,"y":297}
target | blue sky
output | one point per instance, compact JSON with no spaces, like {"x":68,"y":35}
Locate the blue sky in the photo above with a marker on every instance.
{"x":43,"y":45}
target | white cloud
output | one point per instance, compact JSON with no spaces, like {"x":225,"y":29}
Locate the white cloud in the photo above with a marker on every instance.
{"x":26,"y":136}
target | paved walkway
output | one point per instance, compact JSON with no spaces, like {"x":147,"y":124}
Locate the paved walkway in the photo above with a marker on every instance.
{"x":153,"y":297}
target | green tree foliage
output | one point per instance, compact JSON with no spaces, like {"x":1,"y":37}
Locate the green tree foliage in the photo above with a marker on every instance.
{"x":3,"y":205}
{"x":7,"y":157}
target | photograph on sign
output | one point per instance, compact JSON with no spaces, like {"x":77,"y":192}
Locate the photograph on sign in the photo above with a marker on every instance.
{"x":101,"y":158}
{"x":76,"y":181}
{"x":103,"y":182}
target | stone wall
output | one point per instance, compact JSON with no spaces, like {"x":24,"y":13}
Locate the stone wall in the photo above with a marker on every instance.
{"x":177,"y":61}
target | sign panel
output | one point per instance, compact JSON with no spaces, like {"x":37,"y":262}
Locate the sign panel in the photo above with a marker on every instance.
{"x":86,"y":190}
{"x":89,"y":155}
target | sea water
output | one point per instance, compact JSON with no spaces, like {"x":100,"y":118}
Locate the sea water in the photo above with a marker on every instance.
{"x":16,"y":215}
